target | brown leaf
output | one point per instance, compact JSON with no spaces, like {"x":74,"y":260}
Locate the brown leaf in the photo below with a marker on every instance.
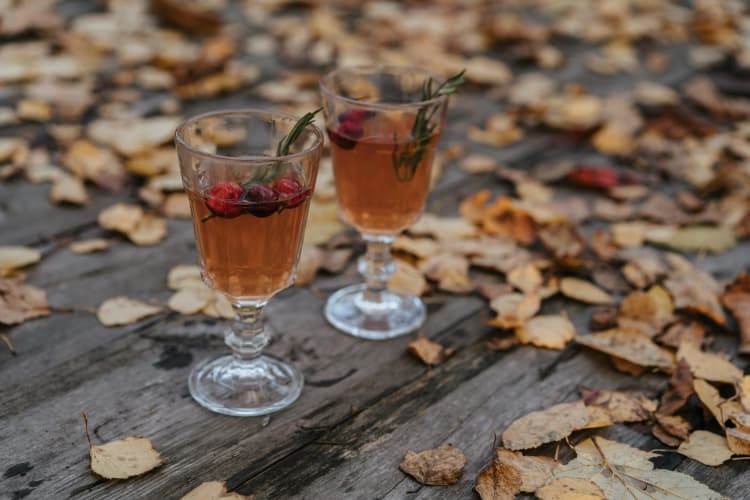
{"x":13,"y":258}
{"x":570,"y":488}
{"x":149,"y":230}
{"x":478,"y":164}
{"x":191,"y":300}
{"x":133,"y":136}
{"x":737,"y":299}
{"x":20,"y":302}
{"x":631,"y":346}
{"x":191,"y":16}
{"x":182,"y":276}
{"x":124,"y":311}
{"x":691,"y":332}
{"x":626,"y":366}
{"x":443,"y":228}
{"x":545,"y":426}
{"x":438,"y":466}
{"x":97,"y":164}
{"x":707,"y":448}
{"x":550,"y":331}
{"x":407,"y":280}
{"x":450,"y":271}
{"x":674,"y":425}
{"x":429,"y":352}
{"x":710,"y":398}
{"x":121,"y":217}
{"x":526,"y":278}
{"x":213,"y":490}
{"x":499,"y":481}
{"x":697,"y":291}
{"x":176,"y":205}
{"x":89,"y":246}
{"x":584,"y":291}
{"x":562,"y":240}
{"x":708,"y":365}
{"x":68,"y":189}
{"x":514,"y":309}
{"x":534,"y":471}
{"x":665,"y":437}
{"x":322,"y":222}
{"x":501,"y":343}
{"x":646,"y":312}
{"x":620,"y":406}
{"x":680,"y":390}
{"x":419,"y":247}
{"x":738,"y":441}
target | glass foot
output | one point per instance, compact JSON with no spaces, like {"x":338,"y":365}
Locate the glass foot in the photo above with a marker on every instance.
{"x":245,"y":388}
{"x":392,"y":315}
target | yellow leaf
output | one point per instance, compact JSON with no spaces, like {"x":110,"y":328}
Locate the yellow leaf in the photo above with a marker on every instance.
{"x":124,"y":311}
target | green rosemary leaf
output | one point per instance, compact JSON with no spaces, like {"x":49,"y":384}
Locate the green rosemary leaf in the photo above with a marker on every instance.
{"x":286,"y":142}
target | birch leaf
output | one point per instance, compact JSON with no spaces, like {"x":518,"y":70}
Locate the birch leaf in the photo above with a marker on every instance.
{"x":706,"y":447}
{"x":545,"y":426}
{"x":213,"y":490}
{"x":124,"y":311}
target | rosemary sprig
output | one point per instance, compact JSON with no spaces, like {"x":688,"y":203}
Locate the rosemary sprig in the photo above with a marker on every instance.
{"x":286,"y":142}
{"x":406,"y":162}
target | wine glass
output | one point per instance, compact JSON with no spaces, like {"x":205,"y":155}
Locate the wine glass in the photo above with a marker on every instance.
{"x":249,"y":209}
{"x":383,"y":134}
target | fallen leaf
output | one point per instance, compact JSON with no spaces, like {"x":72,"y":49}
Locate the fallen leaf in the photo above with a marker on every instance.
{"x":219,"y":307}
{"x":550,"y":331}
{"x":89,"y":246}
{"x":438,"y":466}
{"x":621,"y":471}
{"x":478,"y":164}
{"x":707,"y":448}
{"x":584,"y":291}
{"x":419,"y":247}
{"x":194,"y":17}
{"x":710,"y":397}
{"x":182,"y":276}
{"x":514,"y":309}
{"x":429,"y":352}
{"x":443,"y":228}
{"x":736,"y":298}
{"x":190,"y":300}
{"x":665,"y":437}
{"x":124,"y":311}
{"x":322,"y":222}
{"x":176,"y":205}
{"x":708,"y":365}
{"x":149,"y":230}
{"x":691,"y":332}
{"x":679,"y":391}
{"x":626,"y":366}
{"x":213,"y":490}
{"x":407,"y":280}
{"x":630,"y":346}
{"x":130,"y":137}
{"x":499,"y":481}
{"x":545,"y":426}
{"x":68,"y":189}
{"x":501,"y":343}
{"x":13,"y":258}
{"x":619,"y":406}
{"x":122,"y":458}
{"x":449,"y":270}
{"x":696,"y":290}
{"x":569,"y":488}
{"x":20,"y":302}
{"x":714,"y":239}
{"x":675,"y":425}
{"x":534,"y":471}
{"x":97,"y":164}
{"x":562,"y":240}
{"x":738,"y":441}
{"x":526,"y":278}
{"x":646,"y":312}
{"x":743,"y":391}
{"x":121,"y":217}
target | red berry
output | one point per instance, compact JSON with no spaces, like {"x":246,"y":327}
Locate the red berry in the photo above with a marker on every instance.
{"x":291,"y":191}
{"x":355,"y":115}
{"x":223,"y":199}
{"x":346,"y":134}
{"x":260,"y":201}
{"x":595,"y":177}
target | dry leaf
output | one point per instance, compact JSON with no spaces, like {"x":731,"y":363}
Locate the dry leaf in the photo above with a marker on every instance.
{"x":499,"y":481}
{"x":736,"y":298}
{"x":219,"y":307}
{"x":450,"y":271}
{"x":121,"y":217}
{"x":429,"y":352}
{"x":122,"y":458}
{"x":619,"y":406}
{"x":569,"y":488}
{"x":310,"y":260}
{"x":97,"y":164}
{"x":710,"y":397}
{"x":738,"y":441}
{"x":407,"y":280}
{"x":691,"y":332}
{"x":20,"y":302}
{"x":501,"y":343}
{"x":182,"y":276}
{"x":674,"y":425}
{"x":526,"y":278}
{"x":322,"y":222}
{"x":149,"y":230}
{"x":630,"y":346}
{"x":545,"y":426}
{"x":707,"y":365}
{"x":620,"y":471}
{"x":176,"y":205}
{"x":130,"y":137}
{"x":696,"y":290}
{"x":419,"y":247}
{"x":707,"y":448}
{"x":68,"y":189}
{"x":13,"y":258}
{"x":680,"y":390}
{"x":443,"y":228}
{"x":124,"y":311}
{"x":191,"y":300}
{"x":584,"y":291}
{"x":514,"y":309}
{"x":550,"y":331}
{"x":438,"y":466}
{"x":89,"y":246}
{"x":213,"y":490}
{"x":534,"y":471}
{"x":478,"y":164}
{"x":743,"y":391}
{"x":715,"y":239}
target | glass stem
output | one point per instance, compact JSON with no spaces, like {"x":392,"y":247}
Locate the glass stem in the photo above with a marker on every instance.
{"x":376,"y":265}
{"x":247,"y":336}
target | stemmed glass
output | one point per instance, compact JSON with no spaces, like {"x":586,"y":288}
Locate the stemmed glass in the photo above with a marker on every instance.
{"x":383,"y":136}
{"x":249,"y":209}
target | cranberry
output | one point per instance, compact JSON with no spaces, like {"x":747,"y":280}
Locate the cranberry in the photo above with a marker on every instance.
{"x":261,"y":201}
{"x":223,"y":199}
{"x":355,"y":115}
{"x":346,"y":134}
{"x":291,"y":191}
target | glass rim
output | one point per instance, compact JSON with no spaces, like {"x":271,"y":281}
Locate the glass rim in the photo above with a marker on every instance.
{"x":256,"y":112}
{"x":374,"y":68}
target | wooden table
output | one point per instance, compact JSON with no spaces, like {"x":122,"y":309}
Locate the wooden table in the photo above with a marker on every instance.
{"x":364,"y":403}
